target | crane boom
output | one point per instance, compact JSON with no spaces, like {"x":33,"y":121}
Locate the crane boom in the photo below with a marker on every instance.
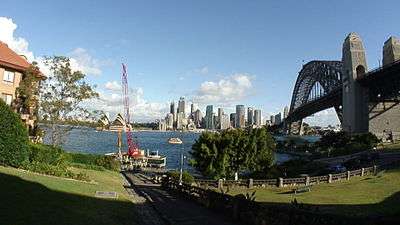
{"x":133,"y":148}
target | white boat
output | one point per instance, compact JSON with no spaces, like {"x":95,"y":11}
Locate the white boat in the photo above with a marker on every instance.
{"x":175,"y":141}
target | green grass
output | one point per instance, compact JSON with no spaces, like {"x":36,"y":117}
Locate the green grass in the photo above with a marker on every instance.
{"x":389,"y":147}
{"x":361,"y":196}
{"x":28,"y":198}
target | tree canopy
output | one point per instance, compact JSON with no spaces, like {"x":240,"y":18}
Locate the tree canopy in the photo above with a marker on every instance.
{"x":62,"y":95}
{"x":221,"y":155}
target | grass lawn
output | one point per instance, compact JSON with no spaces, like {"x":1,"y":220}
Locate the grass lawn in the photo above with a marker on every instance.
{"x":361,"y":196}
{"x":390,"y":147}
{"x":28,"y":198}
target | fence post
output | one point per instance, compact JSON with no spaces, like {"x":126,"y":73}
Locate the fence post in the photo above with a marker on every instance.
{"x":329,"y":178}
{"x":307,"y":180}
{"x":280,"y":182}
{"x":250,"y":185}
{"x":220,"y":183}
{"x":362,"y":172}
{"x":348,"y":175}
{"x":375,"y":170}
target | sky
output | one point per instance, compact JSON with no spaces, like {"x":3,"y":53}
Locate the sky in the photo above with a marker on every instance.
{"x":212,"y":52}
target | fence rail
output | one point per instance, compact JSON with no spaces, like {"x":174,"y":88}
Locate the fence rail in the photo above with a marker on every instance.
{"x":283,"y":182}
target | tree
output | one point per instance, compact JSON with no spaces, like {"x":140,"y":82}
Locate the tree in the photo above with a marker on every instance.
{"x":13,"y":138}
{"x":62,"y":95}
{"x":27,"y":96}
{"x":220,"y":155}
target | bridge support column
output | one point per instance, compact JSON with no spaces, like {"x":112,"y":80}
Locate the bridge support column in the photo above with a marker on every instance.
{"x":355,"y":96}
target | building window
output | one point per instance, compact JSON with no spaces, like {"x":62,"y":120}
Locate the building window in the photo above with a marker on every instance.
{"x":7,"y":98}
{"x":8,"y":76}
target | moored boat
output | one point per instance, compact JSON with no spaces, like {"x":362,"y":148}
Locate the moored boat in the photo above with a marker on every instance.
{"x":175,"y":141}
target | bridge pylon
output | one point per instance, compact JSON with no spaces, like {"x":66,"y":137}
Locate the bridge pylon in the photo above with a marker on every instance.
{"x":354,"y":96}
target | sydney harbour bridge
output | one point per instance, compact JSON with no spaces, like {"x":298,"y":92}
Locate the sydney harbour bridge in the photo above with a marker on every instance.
{"x":365,"y":101}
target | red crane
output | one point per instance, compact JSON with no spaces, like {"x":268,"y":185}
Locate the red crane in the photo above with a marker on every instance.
{"x":133,"y":148}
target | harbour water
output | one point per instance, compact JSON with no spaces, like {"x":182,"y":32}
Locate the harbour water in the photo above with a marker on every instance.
{"x":89,"y":140}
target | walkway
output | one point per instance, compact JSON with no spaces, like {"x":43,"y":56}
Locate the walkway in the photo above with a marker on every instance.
{"x":172,"y":209}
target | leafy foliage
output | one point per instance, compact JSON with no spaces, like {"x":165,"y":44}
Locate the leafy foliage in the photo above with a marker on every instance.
{"x":62,"y":95}
{"x":94,"y":161}
{"x":342,"y":143}
{"x":13,"y":138}
{"x":186,"y":176}
{"x":47,"y":154}
{"x":219,"y":155}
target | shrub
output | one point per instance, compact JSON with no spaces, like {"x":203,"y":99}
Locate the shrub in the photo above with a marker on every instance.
{"x":106,"y":162}
{"x":13,"y":138}
{"x":47,"y":154}
{"x":59,"y":171}
{"x":187,"y":178}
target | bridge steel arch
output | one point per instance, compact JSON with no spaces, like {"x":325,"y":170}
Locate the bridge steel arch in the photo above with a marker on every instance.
{"x":326,"y":75}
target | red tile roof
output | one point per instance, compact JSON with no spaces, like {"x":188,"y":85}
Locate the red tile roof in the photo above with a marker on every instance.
{"x":10,"y":59}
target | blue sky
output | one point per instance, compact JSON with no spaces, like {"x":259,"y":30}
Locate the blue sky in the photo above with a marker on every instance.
{"x":195,"y":48}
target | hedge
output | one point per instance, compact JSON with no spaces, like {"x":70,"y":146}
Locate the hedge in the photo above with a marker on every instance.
{"x":13,"y":138}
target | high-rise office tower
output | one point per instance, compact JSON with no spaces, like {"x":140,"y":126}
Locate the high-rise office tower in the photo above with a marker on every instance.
{"x":181,"y":105}
{"x":285,"y":112}
{"x":278,"y":118}
{"x":220,"y":114}
{"x":209,"y":119}
{"x":250,"y":116}
{"x":181,"y":121}
{"x":173,"y":111}
{"x":224,"y":121}
{"x":272,"y":120}
{"x":169,"y":120}
{"x":198,"y":117}
{"x":257,"y":117}
{"x":191,"y":109}
{"x":232,"y":119}
{"x":240,"y":116}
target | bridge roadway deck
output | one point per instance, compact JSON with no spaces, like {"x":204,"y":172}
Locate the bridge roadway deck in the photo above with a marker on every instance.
{"x":173,"y":209}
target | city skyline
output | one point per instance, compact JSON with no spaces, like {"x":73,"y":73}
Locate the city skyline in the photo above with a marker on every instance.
{"x":221,"y":56}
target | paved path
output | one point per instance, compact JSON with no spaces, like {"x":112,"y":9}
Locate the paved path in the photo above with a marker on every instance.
{"x":175,"y":210}
{"x":148,"y":215}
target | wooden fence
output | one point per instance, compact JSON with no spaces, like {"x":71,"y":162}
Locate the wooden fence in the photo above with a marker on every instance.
{"x":284,"y":182}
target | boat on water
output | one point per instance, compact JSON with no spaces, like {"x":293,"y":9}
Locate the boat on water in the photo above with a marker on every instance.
{"x":175,"y":141}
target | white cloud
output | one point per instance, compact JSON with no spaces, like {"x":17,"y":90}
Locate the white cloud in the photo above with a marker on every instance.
{"x":202,"y":70}
{"x":18,"y":44}
{"x":323,"y":118}
{"x":113,"y":86}
{"x":140,"y":109}
{"x":225,"y":91}
{"x":81,"y":60}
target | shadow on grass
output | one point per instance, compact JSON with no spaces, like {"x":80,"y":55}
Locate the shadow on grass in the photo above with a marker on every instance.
{"x":25,"y":202}
{"x":385,"y":212}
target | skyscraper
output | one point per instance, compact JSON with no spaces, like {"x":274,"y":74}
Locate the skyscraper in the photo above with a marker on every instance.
{"x":285,"y":112}
{"x":224,"y":122}
{"x":172,"y":111}
{"x":219,"y":120}
{"x":272,"y":120}
{"x":181,"y":105}
{"x":198,"y":117}
{"x":278,"y":118}
{"x":209,"y":117}
{"x":240,"y":116}
{"x":191,"y":109}
{"x":181,"y":121}
{"x":257,"y":117}
{"x":250,"y":116}
{"x":232,"y":119}
{"x":169,"y":120}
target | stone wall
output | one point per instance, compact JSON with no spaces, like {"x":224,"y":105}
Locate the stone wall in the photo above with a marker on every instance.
{"x":385,"y":118}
